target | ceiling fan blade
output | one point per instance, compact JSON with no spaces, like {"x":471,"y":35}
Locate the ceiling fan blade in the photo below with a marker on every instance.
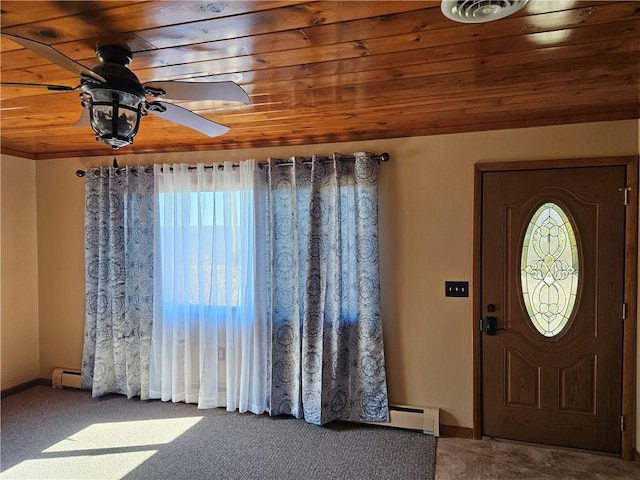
{"x":55,"y":56}
{"x":177,"y":90}
{"x":84,"y":120}
{"x":187,"y":118}
{"x":53,"y":88}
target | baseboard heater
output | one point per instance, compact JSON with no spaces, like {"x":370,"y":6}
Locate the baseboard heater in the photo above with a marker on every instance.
{"x":65,"y":378}
{"x":413,"y":417}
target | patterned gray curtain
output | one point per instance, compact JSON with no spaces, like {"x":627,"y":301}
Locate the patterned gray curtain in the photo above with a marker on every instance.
{"x":326,"y":356}
{"x":119,"y":217}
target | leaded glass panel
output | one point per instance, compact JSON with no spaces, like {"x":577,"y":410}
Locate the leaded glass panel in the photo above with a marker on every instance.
{"x":549,"y":269}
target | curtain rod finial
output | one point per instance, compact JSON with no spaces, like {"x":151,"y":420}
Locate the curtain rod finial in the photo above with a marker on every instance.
{"x":80,"y":173}
{"x":384,"y":157}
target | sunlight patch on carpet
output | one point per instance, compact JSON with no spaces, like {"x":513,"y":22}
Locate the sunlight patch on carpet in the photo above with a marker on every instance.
{"x":91,"y":452}
{"x":125,"y":434}
{"x":109,"y":466}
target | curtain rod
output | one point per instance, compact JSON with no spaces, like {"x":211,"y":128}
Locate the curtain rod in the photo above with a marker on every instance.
{"x":383,"y":157}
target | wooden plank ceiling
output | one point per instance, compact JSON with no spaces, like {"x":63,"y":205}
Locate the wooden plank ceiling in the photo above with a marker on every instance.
{"x":326,"y":71}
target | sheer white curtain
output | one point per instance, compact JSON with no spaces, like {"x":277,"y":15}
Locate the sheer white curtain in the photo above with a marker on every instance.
{"x":209,"y":343}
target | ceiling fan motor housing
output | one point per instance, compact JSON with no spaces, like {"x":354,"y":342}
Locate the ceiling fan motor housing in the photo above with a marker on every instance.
{"x":480,"y":11}
{"x":117,"y":105}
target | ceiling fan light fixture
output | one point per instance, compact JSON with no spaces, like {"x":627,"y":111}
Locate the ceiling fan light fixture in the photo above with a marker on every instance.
{"x":115,"y":107}
{"x":114,"y":115}
{"x":480,"y":11}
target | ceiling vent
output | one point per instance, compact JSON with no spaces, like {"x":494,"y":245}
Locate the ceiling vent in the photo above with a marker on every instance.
{"x":480,"y":11}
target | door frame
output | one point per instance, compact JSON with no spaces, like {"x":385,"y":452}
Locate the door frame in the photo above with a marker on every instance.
{"x":629,"y":342}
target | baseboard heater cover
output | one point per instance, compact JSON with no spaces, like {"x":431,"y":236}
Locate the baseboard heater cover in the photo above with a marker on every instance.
{"x":414,"y":417}
{"x":65,"y":378}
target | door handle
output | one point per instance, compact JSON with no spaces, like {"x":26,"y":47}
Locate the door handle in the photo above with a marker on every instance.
{"x":492,"y":326}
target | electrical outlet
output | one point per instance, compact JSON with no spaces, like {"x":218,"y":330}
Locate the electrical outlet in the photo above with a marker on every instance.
{"x":456,"y":289}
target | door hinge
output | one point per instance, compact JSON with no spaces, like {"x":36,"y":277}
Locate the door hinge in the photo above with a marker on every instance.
{"x":626,"y":191}
{"x":481,"y":325}
{"x":624,"y":311}
{"x":622,"y":423}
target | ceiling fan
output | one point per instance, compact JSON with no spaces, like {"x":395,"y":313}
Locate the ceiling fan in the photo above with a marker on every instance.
{"x":114,"y":100}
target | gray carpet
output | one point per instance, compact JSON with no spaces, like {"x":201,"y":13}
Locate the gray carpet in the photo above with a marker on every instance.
{"x":49,"y":433}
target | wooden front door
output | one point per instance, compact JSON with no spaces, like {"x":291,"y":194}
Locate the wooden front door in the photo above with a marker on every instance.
{"x":552,"y":293}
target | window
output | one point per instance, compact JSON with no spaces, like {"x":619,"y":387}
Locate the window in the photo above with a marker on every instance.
{"x":203,"y":237}
{"x":549,"y":269}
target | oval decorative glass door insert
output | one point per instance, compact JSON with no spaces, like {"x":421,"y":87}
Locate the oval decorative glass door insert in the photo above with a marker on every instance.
{"x":549,"y":269}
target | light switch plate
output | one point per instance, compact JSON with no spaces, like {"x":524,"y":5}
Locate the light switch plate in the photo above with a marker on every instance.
{"x":456,"y":289}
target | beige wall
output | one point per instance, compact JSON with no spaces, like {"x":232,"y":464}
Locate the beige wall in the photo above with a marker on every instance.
{"x":61,"y":255}
{"x":426,"y":210}
{"x":19,"y":272}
